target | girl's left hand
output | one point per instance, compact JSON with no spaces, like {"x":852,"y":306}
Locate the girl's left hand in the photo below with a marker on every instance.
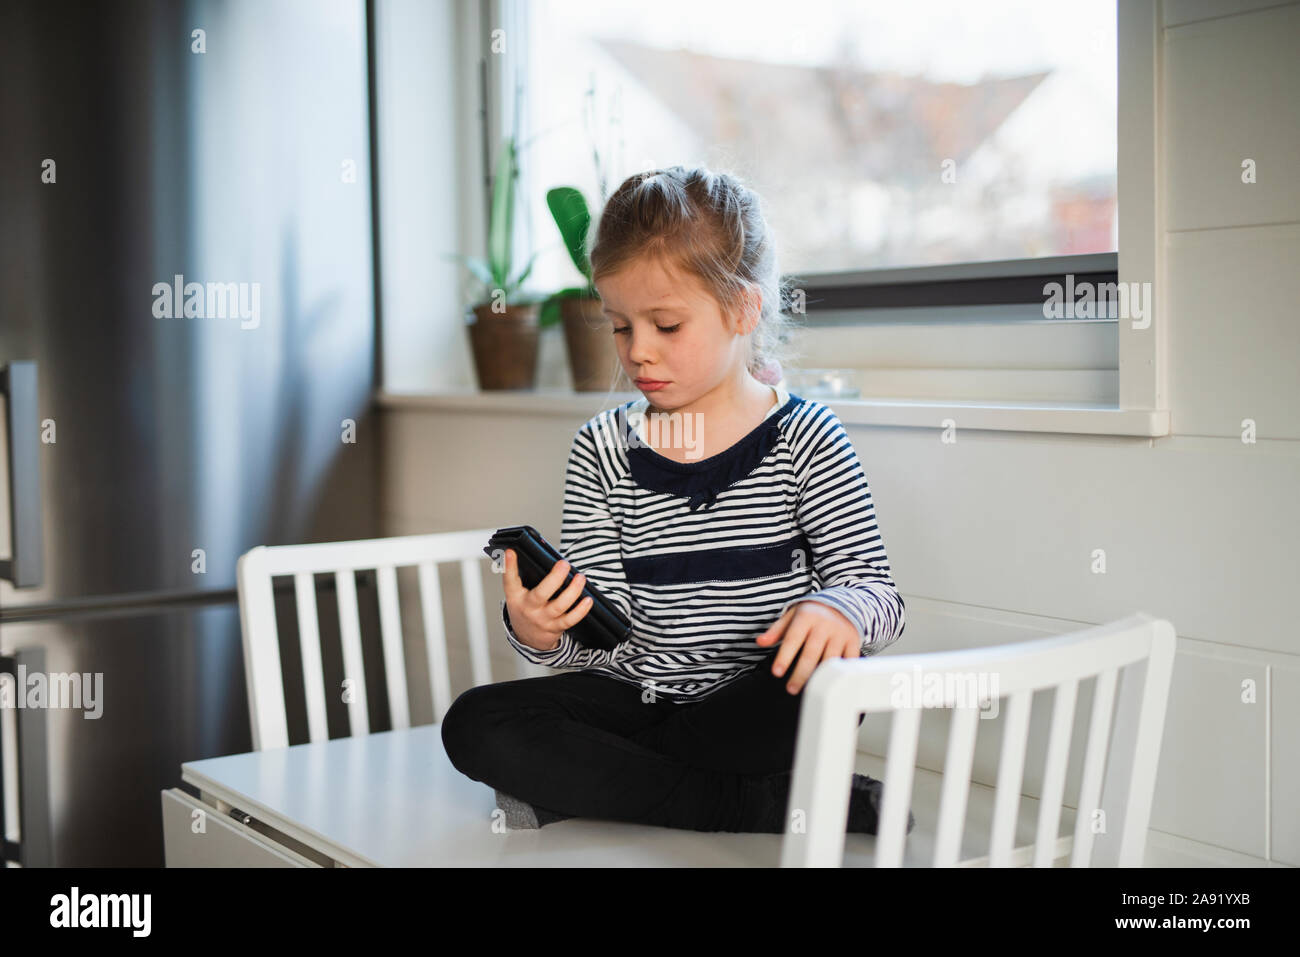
{"x":820,"y":630}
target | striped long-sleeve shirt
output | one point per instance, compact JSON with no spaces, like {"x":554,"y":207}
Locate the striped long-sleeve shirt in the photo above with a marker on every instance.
{"x":703,"y":556}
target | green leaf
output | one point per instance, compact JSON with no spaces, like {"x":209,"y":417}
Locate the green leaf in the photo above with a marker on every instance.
{"x":527,"y":269}
{"x":551,"y":307}
{"x":572,"y":216}
{"x":500,"y":228}
{"x":479,"y":268}
{"x":550,"y":313}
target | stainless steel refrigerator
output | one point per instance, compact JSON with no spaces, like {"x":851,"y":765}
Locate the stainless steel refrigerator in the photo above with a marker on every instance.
{"x":188,"y":259}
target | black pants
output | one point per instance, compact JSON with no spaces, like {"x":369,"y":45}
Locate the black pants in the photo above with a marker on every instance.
{"x":587,"y":745}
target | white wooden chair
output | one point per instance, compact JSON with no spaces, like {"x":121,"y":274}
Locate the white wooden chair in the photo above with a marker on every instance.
{"x":257,"y":568}
{"x":1128,"y":748}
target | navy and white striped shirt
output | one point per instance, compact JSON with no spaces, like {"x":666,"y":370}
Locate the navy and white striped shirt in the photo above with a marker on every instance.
{"x":703,"y":556}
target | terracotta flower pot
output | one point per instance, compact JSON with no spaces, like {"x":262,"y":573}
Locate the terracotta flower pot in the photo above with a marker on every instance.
{"x":593,"y":359}
{"x":505,"y":346}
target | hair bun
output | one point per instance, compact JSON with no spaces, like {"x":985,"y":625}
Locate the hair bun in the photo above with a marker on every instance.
{"x":769,"y":373}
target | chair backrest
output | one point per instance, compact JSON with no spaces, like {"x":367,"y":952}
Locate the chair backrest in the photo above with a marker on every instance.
{"x":257,"y":568}
{"x":1127,"y":749}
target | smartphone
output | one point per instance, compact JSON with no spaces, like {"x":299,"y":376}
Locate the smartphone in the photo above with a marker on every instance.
{"x":603,"y":627}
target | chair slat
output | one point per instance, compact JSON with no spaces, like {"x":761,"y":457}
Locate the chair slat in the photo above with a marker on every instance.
{"x":1011,"y":774}
{"x":471,"y":571}
{"x":956,"y":785}
{"x":899,"y":765}
{"x":353,"y":666}
{"x":390,"y":625}
{"x":1058,"y":753}
{"x":313,"y":676}
{"x":261,"y":642}
{"x":825,"y":747}
{"x":1103,"y":703}
{"x":1129,"y":779}
{"x":435,"y":639}
{"x":1148,"y":731}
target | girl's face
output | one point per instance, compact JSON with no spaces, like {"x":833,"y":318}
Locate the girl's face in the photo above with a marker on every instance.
{"x":669,"y":329}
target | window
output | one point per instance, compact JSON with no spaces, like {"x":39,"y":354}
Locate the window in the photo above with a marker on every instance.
{"x":881,"y":136}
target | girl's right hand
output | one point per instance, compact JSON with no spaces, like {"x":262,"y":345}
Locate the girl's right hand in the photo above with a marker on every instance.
{"x":538,"y":622}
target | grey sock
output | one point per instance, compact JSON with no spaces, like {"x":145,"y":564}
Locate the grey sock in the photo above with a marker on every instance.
{"x":519,"y":814}
{"x":522,"y":816}
{"x":864,"y":806}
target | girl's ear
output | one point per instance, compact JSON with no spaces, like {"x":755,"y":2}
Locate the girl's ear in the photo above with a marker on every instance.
{"x":753,"y":311}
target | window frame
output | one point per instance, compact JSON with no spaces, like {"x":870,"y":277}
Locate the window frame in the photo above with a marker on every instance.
{"x":872,"y":296}
{"x":991,"y":283}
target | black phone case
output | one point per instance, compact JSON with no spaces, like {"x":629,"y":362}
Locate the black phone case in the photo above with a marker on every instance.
{"x":604,"y":625}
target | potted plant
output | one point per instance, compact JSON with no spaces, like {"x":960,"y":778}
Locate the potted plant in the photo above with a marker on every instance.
{"x":504,"y":333}
{"x":593,"y":360}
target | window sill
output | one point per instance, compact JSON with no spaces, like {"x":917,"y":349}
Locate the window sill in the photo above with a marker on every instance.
{"x":1078,"y":418}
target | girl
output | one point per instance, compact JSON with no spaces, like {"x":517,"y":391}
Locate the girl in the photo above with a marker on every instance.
{"x":729,"y":519}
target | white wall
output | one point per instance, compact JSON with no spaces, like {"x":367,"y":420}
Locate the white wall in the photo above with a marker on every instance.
{"x":992,"y":538}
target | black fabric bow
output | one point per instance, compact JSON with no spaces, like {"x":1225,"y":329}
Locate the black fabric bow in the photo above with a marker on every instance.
{"x":701,"y":482}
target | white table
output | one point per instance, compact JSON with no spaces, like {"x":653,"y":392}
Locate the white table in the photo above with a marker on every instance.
{"x":393,"y":799}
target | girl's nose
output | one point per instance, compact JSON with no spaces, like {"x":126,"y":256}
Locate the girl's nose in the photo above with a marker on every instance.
{"x":638,"y":350}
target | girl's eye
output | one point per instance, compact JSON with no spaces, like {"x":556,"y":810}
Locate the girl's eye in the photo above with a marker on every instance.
{"x":618,"y":331}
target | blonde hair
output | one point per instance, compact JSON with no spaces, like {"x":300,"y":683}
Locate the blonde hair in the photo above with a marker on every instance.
{"x":707,"y":224}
